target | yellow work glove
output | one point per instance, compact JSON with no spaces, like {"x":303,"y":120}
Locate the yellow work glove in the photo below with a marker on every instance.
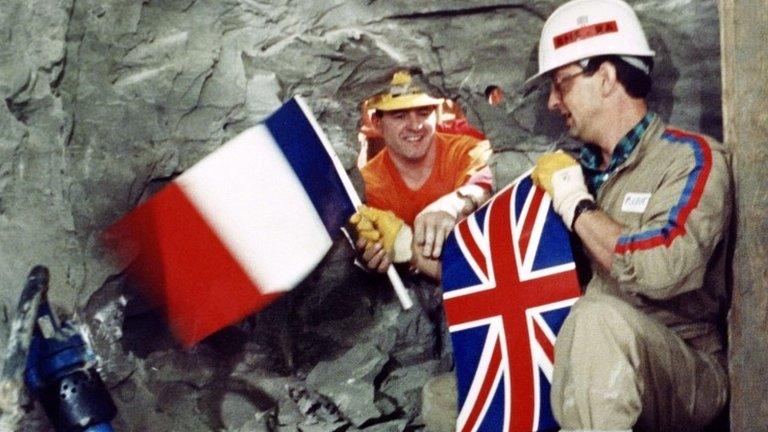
{"x":560,"y":175}
{"x":547,"y":164}
{"x":383,"y":226}
{"x":364,"y":227}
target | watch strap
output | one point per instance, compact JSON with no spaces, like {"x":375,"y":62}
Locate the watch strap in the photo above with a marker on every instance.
{"x":585,"y":205}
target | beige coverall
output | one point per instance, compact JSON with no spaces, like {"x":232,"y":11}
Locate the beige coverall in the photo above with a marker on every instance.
{"x":641,"y":350}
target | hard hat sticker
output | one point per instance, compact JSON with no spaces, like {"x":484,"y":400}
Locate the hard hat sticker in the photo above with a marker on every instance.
{"x":585,"y":33}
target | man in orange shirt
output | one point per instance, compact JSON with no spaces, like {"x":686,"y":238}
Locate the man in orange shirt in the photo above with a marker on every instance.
{"x":429,"y":180}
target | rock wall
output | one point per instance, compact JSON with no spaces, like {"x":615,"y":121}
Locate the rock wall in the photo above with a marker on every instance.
{"x":106,"y":100}
{"x":746,"y":133}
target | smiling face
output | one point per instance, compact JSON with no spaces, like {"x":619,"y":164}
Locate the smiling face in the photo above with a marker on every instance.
{"x":408,"y":134}
{"x":574,"y":96}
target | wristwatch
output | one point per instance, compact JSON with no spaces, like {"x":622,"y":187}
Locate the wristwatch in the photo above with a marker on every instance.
{"x":585,"y":205}
{"x":468,"y":200}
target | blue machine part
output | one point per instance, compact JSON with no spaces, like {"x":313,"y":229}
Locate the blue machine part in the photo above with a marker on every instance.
{"x":56,"y":354}
{"x":61,"y":373}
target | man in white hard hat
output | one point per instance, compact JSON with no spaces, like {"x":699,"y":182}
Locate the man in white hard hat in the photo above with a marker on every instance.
{"x":422,"y":179}
{"x":641,"y":350}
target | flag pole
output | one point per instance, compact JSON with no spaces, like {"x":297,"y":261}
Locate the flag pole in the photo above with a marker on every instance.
{"x":397,"y":285}
{"x":394,"y":277}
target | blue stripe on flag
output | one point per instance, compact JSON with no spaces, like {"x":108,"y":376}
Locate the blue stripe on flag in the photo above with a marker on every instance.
{"x":550,"y":253}
{"x":494,"y":418}
{"x":523,"y":187}
{"x":471,"y":341}
{"x":555,"y":318}
{"x":479,"y":216}
{"x":306,"y":154}
{"x":547,"y":420}
{"x":460,"y":273}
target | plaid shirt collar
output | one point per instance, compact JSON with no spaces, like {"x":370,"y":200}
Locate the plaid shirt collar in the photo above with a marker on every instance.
{"x":591,"y":157}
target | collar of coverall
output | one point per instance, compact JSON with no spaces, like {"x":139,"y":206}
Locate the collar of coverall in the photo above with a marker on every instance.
{"x":591,"y":157}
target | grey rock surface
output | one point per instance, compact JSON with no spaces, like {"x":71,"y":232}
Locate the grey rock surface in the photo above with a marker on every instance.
{"x":107,"y":100}
{"x":439,"y":396}
{"x":348,"y":381}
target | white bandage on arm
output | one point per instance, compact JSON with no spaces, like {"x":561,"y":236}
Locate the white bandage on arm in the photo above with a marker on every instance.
{"x":460,"y":202}
{"x":401,"y":251}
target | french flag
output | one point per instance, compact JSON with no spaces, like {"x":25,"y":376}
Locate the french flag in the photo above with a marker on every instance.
{"x":245,"y":224}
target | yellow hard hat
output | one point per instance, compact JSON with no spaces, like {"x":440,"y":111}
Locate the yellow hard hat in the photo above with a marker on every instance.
{"x":402,"y":95}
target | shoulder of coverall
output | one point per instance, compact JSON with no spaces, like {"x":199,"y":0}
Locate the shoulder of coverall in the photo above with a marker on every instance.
{"x":659,"y":136}
{"x":683,"y":145}
{"x":452,"y":138}
{"x":375,"y":168}
{"x":676,"y":134}
{"x":378,"y":159}
{"x":698,"y":210}
{"x":464,"y":144}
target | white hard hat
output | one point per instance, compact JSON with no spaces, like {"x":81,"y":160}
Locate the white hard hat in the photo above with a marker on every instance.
{"x":581,"y":29}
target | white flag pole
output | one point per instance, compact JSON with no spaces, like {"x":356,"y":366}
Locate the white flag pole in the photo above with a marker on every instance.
{"x":394,"y":277}
{"x":397,"y":285}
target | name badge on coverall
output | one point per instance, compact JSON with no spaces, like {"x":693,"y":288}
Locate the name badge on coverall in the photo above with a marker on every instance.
{"x":635,"y":202}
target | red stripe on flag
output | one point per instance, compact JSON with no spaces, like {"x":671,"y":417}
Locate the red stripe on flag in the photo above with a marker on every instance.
{"x":586,"y":32}
{"x":510,"y":298}
{"x":472,"y":246}
{"x":485,"y":390}
{"x":544,"y":342}
{"x":530,"y":221}
{"x":183,"y":265}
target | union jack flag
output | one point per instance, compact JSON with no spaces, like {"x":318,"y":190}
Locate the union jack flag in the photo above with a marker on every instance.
{"x":509,"y":281}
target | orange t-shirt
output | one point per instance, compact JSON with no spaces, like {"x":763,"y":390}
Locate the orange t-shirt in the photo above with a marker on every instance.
{"x":459,"y":160}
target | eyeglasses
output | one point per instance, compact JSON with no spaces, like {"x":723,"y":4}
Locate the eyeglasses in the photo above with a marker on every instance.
{"x":557,"y":83}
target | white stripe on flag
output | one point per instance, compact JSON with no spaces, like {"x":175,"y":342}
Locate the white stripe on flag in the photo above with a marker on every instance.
{"x":251,"y":197}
